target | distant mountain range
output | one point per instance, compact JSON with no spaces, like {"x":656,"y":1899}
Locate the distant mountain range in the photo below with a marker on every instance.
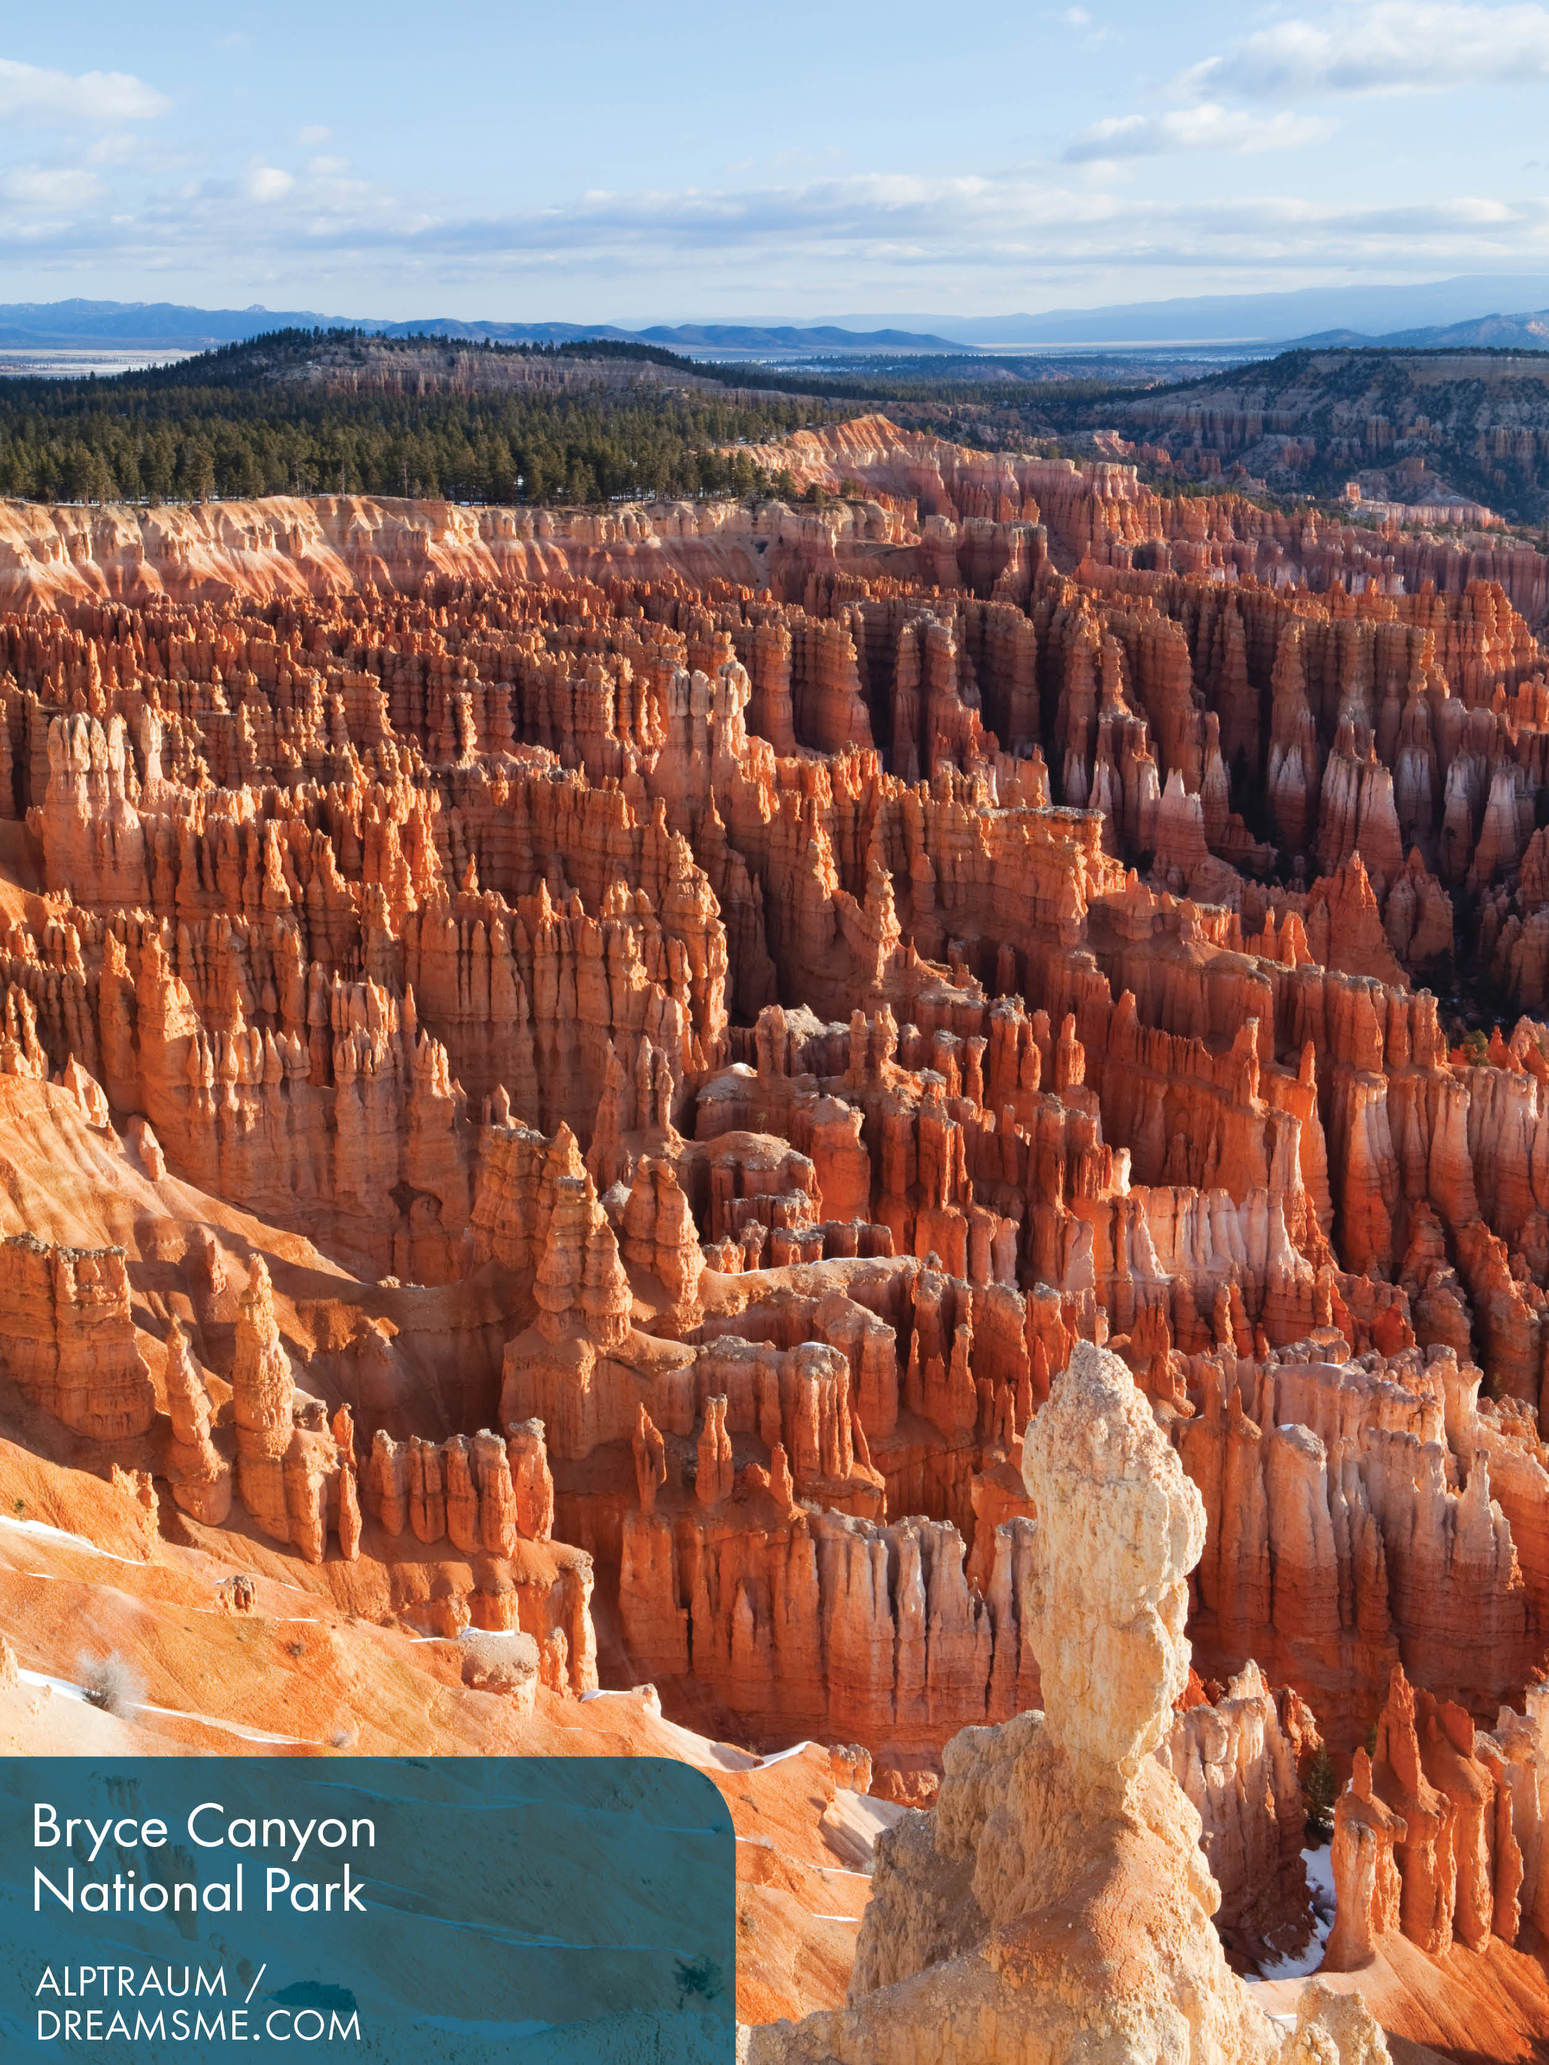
{"x":1528,"y":332}
{"x":1254,"y":319}
{"x":167,"y":325}
{"x":1436,"y":313}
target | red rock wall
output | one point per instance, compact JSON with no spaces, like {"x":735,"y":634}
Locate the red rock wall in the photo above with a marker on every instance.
{"x":67,"y":1339}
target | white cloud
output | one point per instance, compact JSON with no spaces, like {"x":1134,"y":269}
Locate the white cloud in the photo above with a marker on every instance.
{"x":1385,"y":46}
{"x":75,"y":99}
{"x":1206,"y":127}
{"x":117,"y":147}
{"x":267,"y":183}
{"x":321,"y":238}
{"x":1376,"y":47}
{"x":907,"y":221}
{"x":44,"y":190}
{"x":313,"y":136}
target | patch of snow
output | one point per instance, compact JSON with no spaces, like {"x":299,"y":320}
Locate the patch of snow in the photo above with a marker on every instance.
{"x":173,"y":1713}
{"x":1320,"y":1875}
{"x":1320,"y":1879}
{"x":72,"y":1541}
{"x":779,"y":1756}
{"x":54,"y":1684}
{"x":71,"y":1690}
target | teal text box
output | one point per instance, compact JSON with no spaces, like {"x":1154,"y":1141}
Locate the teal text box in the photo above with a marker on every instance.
{"x":546,"y":1910}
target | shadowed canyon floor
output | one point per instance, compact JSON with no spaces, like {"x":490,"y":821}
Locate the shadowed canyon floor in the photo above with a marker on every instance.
{"x":579,"y":1092}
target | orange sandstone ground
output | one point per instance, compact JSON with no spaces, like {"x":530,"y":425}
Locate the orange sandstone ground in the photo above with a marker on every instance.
{"x":568,"y":1082}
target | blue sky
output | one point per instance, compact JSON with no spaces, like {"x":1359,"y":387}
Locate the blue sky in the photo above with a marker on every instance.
{"x":643,"y":164}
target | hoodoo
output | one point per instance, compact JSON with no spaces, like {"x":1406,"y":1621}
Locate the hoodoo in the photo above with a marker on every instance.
{"x":1055,"y":1904}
